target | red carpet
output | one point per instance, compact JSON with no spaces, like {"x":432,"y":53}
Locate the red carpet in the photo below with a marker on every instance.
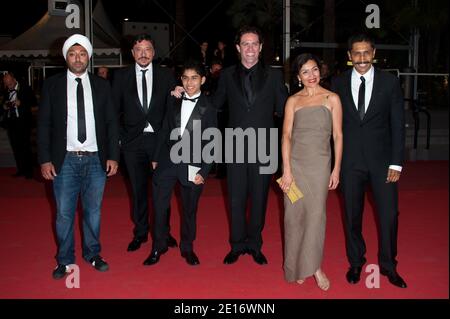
{"x":27,"y":247}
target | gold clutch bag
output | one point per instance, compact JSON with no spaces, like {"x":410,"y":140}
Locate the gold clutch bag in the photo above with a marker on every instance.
{"x":294,"y":193}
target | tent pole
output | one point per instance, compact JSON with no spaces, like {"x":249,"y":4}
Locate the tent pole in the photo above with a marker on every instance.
{"x":88,"y":29}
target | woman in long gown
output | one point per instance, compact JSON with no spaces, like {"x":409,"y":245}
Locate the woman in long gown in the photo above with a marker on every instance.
{"x":312,"y":116}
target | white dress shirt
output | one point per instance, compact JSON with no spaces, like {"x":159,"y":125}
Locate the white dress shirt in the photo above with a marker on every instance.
{"x":186,"y":110}
{"x":13,"y":98}
{"x":90,"y":144}
{"x":13,"y":93}
{"x":356,"y":82}
{"x":149,"y":80}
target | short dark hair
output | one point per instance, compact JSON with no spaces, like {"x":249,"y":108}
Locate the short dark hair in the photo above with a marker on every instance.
{"x":142,"y":37}
{"x":195,"y":65}
{"x":248,"y":29}
{"x":216,"y":61}
{"x":301,"y":60}
{"x":361,"y":37}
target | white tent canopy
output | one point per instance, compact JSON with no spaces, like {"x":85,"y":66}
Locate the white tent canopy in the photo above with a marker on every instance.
{"x":45,"y":39}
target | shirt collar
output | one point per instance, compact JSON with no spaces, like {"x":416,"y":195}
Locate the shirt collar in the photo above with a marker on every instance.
{"x":368,"y":75}
{"x":139,"y":68}
{"x":247,"y":71}
{"x":73,"y":76}
{"x":194,"y":96}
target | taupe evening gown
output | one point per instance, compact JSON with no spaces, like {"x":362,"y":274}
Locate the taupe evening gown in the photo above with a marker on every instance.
{"x":304,"y":221}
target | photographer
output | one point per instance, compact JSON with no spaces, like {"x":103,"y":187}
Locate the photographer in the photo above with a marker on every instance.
{"x":17,"y":102}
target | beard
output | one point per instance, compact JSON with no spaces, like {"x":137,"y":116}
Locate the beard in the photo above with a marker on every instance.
{"x":78,"y":68}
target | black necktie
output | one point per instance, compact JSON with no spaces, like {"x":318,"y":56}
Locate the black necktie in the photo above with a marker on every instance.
{"x":361,"y":98}
{"x":80,"y":112}
{"x":144,"y":91}
{"x":188,"y":99}
{"x":248,"y":86}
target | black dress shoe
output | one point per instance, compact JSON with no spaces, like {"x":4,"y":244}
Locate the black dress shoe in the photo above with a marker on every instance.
{"x":394,"y":278}
{"x":232,"y":257}
{"x":171,"y":242}
{"x":258,"y":257}
{"x":60,"y":271}
{"x":191,"y":258}
{"x":353,"y":275}
{"x":154,"y":257}
{"x":136,"y":243}
{"x":98,"y":263}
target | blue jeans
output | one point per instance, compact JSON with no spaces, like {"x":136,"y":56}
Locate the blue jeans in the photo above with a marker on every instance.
{"x":79,"y":176}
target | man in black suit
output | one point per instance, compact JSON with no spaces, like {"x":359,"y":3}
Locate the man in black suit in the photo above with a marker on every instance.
{"x":78,"y":147}
{"x":191,"y":115}
{"x":374,"y":143}
{"x":255,"y":93}
{"x":17,"y":118}
{"x":140,"y":93}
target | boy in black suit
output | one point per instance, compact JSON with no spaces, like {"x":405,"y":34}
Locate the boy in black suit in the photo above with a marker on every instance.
{"x":193,"y":112}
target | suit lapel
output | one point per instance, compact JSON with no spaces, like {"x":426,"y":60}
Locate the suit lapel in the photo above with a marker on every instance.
{"x":94,"y":92}
{"x":177,"y":113}
{"x":61,"y":87}
{"x":132,"y":79}
{"x":196,"y":114}
{"x":349,"y":96}
{"x":154,"y":75}
{"x":261,"y":77}
{"x":376,"y":88}
{"x":238,"y":82}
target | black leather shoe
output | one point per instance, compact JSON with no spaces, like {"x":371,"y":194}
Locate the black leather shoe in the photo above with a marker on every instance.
{"x":232,"y":257}
{"x":258,"y":257}
{"x":154,"y":257}
{"x":136,"y":243}
{"x":191,"y":258}
{"x":171,"y":242}
{"x":60,"y":271}
{"x":98,"y":263}
{"x":394,"y":278}
{"x":353,"y":275}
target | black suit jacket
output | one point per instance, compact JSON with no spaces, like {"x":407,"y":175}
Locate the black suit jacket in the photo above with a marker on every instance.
{"x":378,"y":140}
{"x":270,"y":96}
{"x":204,"y":112}
{"x":126,"y":98}
{"x":27,"y":100}
{"x":52,"y":121}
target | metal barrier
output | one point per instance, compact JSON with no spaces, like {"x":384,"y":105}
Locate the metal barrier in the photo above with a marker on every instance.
{"x":417,"y":109}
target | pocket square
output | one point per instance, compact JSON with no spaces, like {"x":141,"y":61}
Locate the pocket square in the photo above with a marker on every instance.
{"x":294,"y":193}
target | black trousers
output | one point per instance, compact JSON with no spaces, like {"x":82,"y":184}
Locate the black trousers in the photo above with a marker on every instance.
{"x":138,"y":162}
{"x":353,"y":185}
{"x":164,"y":181}
{"x":246,"y":183}
{"x":19,"y":135}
